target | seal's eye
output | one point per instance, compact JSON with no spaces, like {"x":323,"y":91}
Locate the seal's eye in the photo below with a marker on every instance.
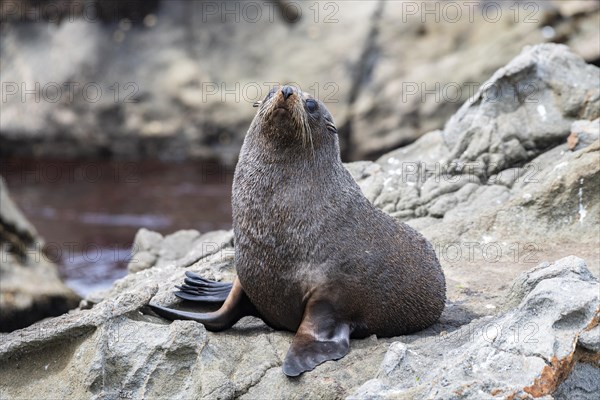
{"x":312,"y":105}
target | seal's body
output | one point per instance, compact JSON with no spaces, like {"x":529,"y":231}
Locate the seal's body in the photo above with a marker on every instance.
{"x":313,"y":255}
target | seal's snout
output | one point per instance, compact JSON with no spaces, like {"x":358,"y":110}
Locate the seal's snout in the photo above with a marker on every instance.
{"x":287,"y":91}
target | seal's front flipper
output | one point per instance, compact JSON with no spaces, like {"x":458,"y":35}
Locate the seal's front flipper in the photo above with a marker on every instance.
{"x":236,"y":306}
{"x":320,"y":337}
{"x":197,"y":288}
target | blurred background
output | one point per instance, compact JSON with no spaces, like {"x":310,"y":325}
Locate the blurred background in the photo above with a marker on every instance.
{"x":118,"y":115}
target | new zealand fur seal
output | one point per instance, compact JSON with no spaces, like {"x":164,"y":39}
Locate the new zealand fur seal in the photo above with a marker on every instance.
{"x":312,"y":254}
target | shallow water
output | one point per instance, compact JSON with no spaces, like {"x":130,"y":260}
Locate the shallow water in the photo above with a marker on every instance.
{"x":89,"y":211}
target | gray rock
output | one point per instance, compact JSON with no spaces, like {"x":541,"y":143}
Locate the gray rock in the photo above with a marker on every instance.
{"x":410,"y":93}
{"x":583,"y":133}
{"x":178,"y":244}
{"x":442,"y":205}
{"x":393,"y":358}
{"x":582,"y":383}
{"x":31,"y":287}
{"x":503,"y":125}
{"x":570,"y":268}
{"x":146,"y":240}
{"x":488,"y":175}
{"x":119,"y":349}
{"x":142,"y":252}
{"x":13,"y":217}
{"x":505,"y":355}
{"x":590,"y":339}
{"x":427,"y":150}
{"x":576,"y":7}
{"x":151,"y":248}
{"x":178,"y":103}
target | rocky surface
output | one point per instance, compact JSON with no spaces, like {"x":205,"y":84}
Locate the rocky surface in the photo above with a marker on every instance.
{"x":529,"y":350}
{"x":184,"y":247}
{"x":454,"y":57}
{"x":508,"y":151}
{"x":140,"y":83}
{"x":30,"y":287}
{"x":498,"y":192}
{"x":119,"y":349}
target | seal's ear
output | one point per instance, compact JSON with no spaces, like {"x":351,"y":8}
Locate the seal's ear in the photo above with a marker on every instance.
{"x":257,"y":103}
{"x":321,"y":337}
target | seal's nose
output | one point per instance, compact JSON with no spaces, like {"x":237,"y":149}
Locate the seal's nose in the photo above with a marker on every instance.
{"x":287,"y":91}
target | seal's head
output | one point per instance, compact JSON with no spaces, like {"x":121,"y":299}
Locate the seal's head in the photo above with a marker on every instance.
{"x":294,"y":119}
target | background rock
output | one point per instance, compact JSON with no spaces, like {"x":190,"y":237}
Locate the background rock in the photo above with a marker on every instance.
{"x":152,"y":249}
{"x":139,"y":82}
{"x":30,"y":287}
{"x":176,"y":103}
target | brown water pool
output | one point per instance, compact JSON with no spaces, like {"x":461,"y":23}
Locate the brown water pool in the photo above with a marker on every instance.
{"x":89,"y":211}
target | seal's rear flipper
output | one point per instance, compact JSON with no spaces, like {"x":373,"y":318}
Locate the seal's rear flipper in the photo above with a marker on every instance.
{"x":321,"y":337}
{"x":197,"y":288}
{"x":236,"y":306}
